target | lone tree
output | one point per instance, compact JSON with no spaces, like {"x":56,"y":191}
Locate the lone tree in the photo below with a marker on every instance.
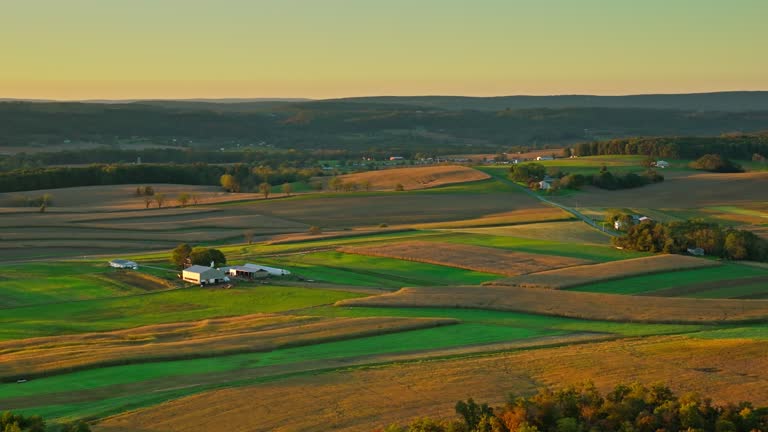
{"x":264,"y":188}
{"x":399,"y":187}
{"x":315,"y":230}
{"x":229,"y":183}
{"x":180,"y":255}
{"x":287,"y":189}
{"x":183,"y":199}
{"x":147,"y":201}
{"x":336,"y":184}
{"x":248,"y":236}
{"x":160,"y":200}
{"x":195,"y":198}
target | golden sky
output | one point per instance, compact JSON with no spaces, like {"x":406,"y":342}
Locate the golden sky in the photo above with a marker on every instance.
{"x":134,"y":49}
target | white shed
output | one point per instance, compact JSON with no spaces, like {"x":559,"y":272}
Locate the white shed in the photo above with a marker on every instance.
{"x":123,"y":264}
{"x":203,"y":275}
{"x":273,"y":271}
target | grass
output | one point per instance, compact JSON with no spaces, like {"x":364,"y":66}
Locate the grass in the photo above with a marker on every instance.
{"x":512,"y":319}
{"x":660,"y":281}
{"x":162,"y":307}
{"x":351,"y":269}
{"x":29,"y":284}
{"x":546,"y":247}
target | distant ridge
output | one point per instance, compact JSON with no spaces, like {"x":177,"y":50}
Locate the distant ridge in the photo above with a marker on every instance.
{"x":732,"y":101}
{"x":717,"y":101}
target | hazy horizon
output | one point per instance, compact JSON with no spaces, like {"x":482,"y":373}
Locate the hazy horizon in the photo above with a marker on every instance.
{"x":175,"y":49}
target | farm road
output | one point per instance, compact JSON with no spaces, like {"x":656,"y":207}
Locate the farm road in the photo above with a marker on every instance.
{"x":570,"y":210}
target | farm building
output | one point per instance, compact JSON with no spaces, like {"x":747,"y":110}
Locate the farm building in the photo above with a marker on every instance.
{"x":545,"y":185}
{"x":244,"y":272}
{"x":123,"y":264}
{"x":273,"y":271}
{"x":662,"y":164}
{"x":203,"y":275}
{"x":544,"y":158}
{"x":636,"y":219}
{"x":696,"y":251}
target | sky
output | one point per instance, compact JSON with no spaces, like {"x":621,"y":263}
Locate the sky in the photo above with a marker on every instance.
{"x":164,"y":49}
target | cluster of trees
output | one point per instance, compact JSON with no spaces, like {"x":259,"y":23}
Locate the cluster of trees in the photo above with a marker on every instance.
{"x":246,"y":176}
{"x":336,"y":184}
{"x":734,"y":146}
{"x":628,"y":408}
{"x":532,"y":173}
{"x":677,"y":237}
{"x":715,"y":163}
{"x":185,"y":255}
{"x":12,"y":422}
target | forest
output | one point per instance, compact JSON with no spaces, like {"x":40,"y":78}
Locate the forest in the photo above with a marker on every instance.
{"x":737,"y":146}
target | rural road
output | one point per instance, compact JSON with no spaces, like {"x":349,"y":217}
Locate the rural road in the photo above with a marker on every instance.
{"x":570,"y":210}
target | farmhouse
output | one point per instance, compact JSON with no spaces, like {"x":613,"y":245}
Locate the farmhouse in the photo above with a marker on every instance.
{"x":696,"y":251}
{"x":662,"y":164}
{"x":545,"y":185}
{"x":544,"y":158}
{"x":203,"y":275}
{"x":123,"y":264}
{"x":636,"y":219}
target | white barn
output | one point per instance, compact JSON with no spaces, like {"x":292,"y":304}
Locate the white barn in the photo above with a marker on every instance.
{"x":203,"y":275}
{"x":273,"y":271}
{"x":123,"y":264}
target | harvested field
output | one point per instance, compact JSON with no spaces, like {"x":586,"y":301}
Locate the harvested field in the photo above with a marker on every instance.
{"x":584,"y":305}
{"x":581,"y":275}
{"x":686,"y":191}
{"x":523,"y":216}
{"x":415,"y":178}
{"x":351,"y":210}
{"x":370,"y":398}
{"x":748,"y":287}
{"x":568,"y":232}
{"x":478,"y":258}
{"x":208,"y":338}
{"x":123,"y":197}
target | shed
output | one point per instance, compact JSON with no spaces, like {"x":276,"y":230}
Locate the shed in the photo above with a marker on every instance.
{"x":545,"y":185}
{"x":696,"y":251}
{"x":247,"y":272}
{"x":203,"y":275}
{"x":123,"y":264}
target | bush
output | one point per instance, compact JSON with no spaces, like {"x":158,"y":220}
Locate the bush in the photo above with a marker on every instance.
{"x":715,"y":163}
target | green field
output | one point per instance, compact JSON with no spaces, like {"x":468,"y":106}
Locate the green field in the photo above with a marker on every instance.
{"x":352,"y":269}
{"x":649,"y":284}
{"x":162,"y":307}
{"x":28,"y":284}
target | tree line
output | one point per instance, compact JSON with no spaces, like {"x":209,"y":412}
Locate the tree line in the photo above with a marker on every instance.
{"x":732,"y":146}
{"x":678,"y":237}
{"x":532,"y":173}
{"x":248,"y":176}
{"x":14,"y":422}
{"x":582,"y":408}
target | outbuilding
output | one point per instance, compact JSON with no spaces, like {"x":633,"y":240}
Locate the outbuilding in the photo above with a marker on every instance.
{"x":123,"y":264}
{"x":272,"y":271}
{"x":203,"y":275}
{"x":244,"y":272}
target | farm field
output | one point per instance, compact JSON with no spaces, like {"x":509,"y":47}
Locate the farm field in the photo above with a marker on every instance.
{"x":397,"y":393}
{"x":415,"y":178}
{"x":685,"y":283}
{"x":478,"y":258}
{"x":403,"y":299}
{"x":616,"y":270}
{"x":571,"y":304}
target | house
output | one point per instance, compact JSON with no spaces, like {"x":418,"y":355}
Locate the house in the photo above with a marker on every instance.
{"x":544,"y":158}
{"x":661,"y":164}
{"x":545,"y":185}
{"x":273,"y":271}
{"x":696,"y":251}
{"x":395,"y":158}
{"x":636,"y":219}
{"x":203,"y":275}
{"x":123,"y":264}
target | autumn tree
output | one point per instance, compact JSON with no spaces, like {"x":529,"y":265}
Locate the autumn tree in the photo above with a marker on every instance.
{"x":160,"y":200}
{"x":248,"y":236}
{"x":180,"y":255}
{"x":287,"y":189}
{"x":265,"y":188}
{"x":183,"y":199}
{"x":229,"y":183}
